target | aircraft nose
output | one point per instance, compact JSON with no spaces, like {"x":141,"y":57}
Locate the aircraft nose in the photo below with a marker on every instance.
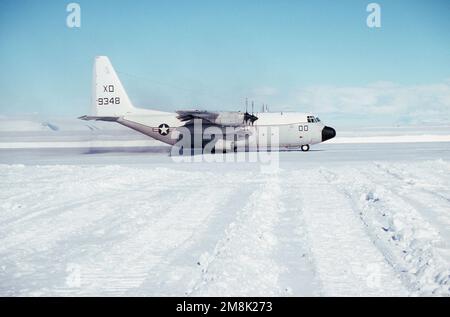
{"x":328,"y":133}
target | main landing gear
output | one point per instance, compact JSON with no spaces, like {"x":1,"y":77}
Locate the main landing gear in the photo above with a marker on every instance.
{"x":305,"y":148}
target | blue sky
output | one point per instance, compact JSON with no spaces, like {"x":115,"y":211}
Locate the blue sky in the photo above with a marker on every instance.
{"x":295,"y":55}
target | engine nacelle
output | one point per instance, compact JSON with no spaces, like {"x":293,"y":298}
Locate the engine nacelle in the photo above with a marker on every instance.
{"x":229,"y":119}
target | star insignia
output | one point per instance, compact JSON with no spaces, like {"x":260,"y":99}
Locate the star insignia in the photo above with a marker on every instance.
{"x":163,"y":129}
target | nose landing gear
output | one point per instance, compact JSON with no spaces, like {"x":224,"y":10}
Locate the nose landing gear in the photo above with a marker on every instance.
{"x":305,"y":148}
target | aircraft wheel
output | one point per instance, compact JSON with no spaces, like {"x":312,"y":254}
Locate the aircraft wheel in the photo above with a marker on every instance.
{"x":305,"y":148}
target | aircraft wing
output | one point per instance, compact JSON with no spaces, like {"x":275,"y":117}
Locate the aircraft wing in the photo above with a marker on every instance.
{"x":188,"y":115}
{"x":98,"y":118}
{"x":227,"y":119}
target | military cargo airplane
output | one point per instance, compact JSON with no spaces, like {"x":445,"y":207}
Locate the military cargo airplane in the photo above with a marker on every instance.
{"x":235,"y":130}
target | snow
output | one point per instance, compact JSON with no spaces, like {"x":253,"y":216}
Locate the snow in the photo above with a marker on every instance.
{"x":393,"y":139}
{"x":80,"y":144}
{"x":343,"y":220}
{"x":89,"y":210}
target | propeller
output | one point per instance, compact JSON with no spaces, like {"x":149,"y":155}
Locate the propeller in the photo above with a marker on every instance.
{"x":247,"y":116}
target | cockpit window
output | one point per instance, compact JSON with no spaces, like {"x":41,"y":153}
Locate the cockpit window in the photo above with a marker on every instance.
{"x":317,"y":119}
{"x":311,"y":119}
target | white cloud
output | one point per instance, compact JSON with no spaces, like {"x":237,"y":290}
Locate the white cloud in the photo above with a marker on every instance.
{"x":415,"y":103}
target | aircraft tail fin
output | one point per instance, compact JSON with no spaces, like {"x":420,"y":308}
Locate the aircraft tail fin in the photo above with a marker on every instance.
{"x":109,"y":98}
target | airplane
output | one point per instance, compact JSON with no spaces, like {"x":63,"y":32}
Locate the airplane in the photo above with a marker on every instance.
{"x":234,"y":130}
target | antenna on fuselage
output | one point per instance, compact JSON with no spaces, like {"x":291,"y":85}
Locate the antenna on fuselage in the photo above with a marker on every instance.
{"x":253,"y":115}
{"x":247,"y":116}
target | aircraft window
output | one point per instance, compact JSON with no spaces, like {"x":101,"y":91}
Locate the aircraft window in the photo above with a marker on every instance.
{"x":317,"y":119}
{"x":306,"y":128}
{"x":300,"y":128}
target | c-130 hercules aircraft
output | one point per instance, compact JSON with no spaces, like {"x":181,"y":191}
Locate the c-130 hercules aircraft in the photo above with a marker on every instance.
{"x":236,"y":130}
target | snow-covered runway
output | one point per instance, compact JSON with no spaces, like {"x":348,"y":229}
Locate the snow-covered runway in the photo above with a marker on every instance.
{"x":342,"y":220}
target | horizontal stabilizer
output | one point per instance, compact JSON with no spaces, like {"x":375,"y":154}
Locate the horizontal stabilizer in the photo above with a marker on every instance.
{"x":97,"y":118}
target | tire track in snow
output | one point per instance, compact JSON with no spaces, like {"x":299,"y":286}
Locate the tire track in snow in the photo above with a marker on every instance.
{"x":33,"y":191}
{"x":430,"y":203}
{"x":412,"y":178}
{"x":347,"y":262}
{"x":180,"y":271}
{"x":299,"y":276}
{"x":68,"y":211}
{"x":124,"y":268}
{"x":37,"y":251}
{"x":242,"y":263}
{"x":406,"y":239}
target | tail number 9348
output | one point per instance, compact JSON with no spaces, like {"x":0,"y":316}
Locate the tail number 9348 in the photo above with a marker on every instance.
{"x":108,"y":101}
